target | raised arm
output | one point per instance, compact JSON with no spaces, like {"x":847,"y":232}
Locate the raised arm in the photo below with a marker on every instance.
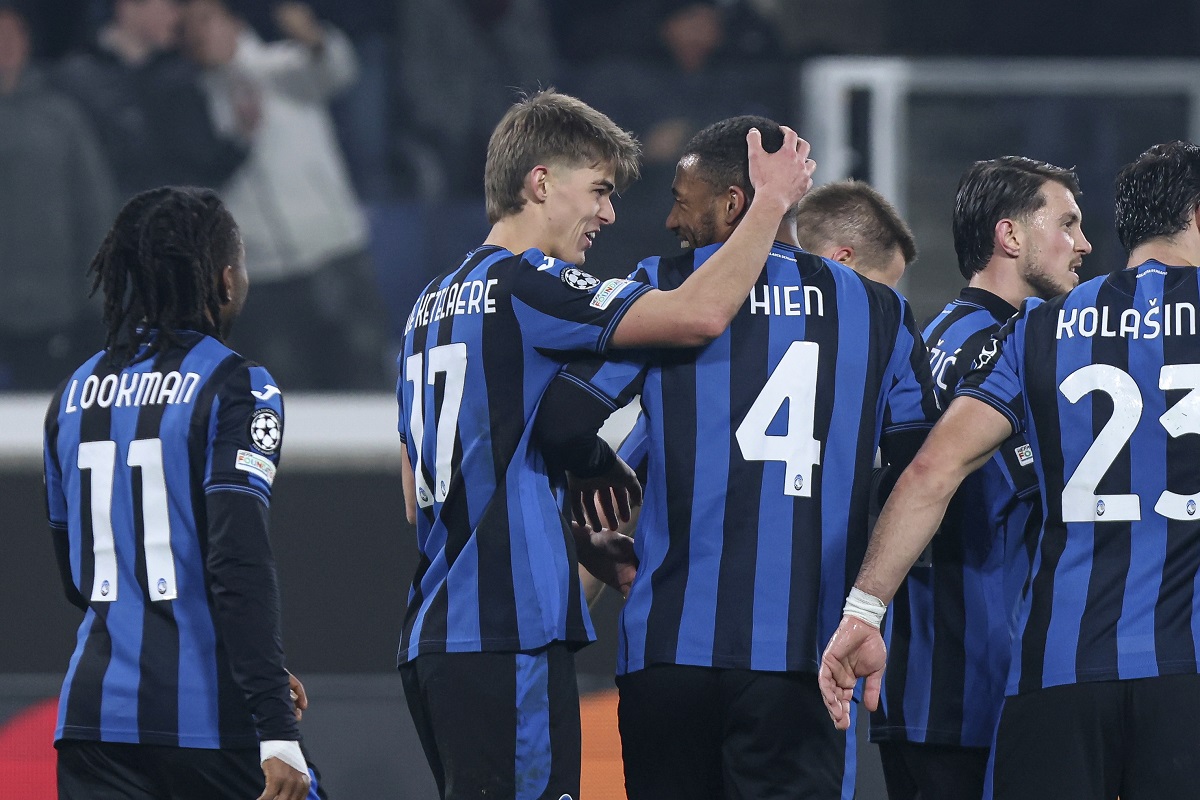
{"x":961,"y":442}
{"x":701,"y":309}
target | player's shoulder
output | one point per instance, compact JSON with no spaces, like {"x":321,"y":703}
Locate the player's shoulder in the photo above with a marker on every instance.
{"x":538,"y":267}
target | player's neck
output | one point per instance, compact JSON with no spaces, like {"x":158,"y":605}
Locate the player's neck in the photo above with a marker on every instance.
{"x":1003,"y":281}
{"x":1180,"y":251}
{"x":519,"y":233}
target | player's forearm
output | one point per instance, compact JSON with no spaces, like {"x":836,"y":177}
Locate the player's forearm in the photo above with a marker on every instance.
{"x":906,"y":525}
{"x":701,"y":309}
{"x":245,"y":596}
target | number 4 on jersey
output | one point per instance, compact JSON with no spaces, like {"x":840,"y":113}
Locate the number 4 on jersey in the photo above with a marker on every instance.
{"x":794,"y":381}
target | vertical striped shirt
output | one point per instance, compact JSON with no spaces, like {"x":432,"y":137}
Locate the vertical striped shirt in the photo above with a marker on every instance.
{"x":131,"y":457}
{"x":760,"y":448}
{"x":947,"y":629}
{"x":497,"y":567}
{"x":1103,"y":381}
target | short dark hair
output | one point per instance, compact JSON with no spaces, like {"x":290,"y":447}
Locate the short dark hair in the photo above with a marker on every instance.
{"x":550,"y":127}
{"x":853,"y":213}
{"x":159,"y":268}
{"x":1008,"y":187}
{"x":1158,"y":193}
{"x":720,"y":150}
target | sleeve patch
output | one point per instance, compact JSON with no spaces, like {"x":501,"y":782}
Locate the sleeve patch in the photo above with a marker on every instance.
{"x":608,"y":292}
{"x":266,"y":430}
{"x":255,"y":465}
{"x":578,"y":279}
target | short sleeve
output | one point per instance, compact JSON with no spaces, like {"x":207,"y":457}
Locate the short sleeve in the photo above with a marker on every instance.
{"x":911,"y":393}
{"x":245,"y":434}
{"x":995,"y":375}
{"x":565,"y":308}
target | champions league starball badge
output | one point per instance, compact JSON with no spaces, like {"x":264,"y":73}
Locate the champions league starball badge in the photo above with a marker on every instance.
{"x":266,"y":430}
{"x":578,"y":279}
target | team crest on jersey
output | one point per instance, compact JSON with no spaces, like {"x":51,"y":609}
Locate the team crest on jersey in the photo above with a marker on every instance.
{"x":578,"y":279}
{"x":266,"y":430}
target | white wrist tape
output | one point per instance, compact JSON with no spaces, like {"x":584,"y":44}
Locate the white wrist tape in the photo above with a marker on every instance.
{"x":287,"y":752}
{"x":867,"y":607}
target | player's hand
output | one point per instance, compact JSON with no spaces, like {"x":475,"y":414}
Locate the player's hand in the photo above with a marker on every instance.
{"x":608,"y":555}
{"x":299,"y":696}
{"x":283,"y":782}
{"x":856,"y":650}
{"x":607,"y":500}
{"x":786,"y":174}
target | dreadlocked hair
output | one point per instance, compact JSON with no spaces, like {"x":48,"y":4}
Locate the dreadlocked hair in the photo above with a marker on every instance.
{"x":159,"y":268}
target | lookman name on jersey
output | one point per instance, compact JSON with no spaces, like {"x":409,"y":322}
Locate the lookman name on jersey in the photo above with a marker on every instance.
{"x":131,"y":389}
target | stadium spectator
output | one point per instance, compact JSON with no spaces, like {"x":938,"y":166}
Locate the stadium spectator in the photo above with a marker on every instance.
{"x":461,"y":61}
{"x":57,"y":193}
{"x":1103,"y":696}
{"x":160,"y":452}
{"x":363,"y":111}
{"x":495,"y":611}
{"x":146,"y":104}
{"x":1017,"y":234}
{"x":851,"y":223}
{"x":750,"y":528}
{"x":316,"y":316}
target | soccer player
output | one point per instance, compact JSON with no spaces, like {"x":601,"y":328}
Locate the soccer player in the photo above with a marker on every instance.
{"x":853,"y":224}
{"x":495,"y":610}
{"x":1017,"y":234}
{"x":160,"y":451}
{"x":1103,"y":697}
{"x":760,"y":453}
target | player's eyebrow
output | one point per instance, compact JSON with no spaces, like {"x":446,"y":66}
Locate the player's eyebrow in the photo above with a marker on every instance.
{"x":607,"y":185}
{"x":1070,"y":216}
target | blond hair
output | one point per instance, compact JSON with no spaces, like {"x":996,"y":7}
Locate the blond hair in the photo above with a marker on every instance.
{"x":553,"y":129}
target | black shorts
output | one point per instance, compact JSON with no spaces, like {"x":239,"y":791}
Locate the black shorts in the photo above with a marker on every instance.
{"x":117,"y":771}
{"x":694,"y":733}
{"x":1139,"y":739}
{"x":917,"y":771}
{"x":498,"y":724}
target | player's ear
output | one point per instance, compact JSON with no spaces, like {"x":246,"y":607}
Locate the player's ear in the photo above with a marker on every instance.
{"x":537,"y":183}
{"x":842,"y":255}
{"x":1008,"y":238}
{"x":225,"y":284}
{"x":736,"y":203}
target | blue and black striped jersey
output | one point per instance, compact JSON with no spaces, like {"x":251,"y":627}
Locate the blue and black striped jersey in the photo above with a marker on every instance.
{"x":1103,"y":381}
{"x":497,"y":567}
{"x":137,"y":461}
{"x":948,"y":627}
{"x":760,"y":449}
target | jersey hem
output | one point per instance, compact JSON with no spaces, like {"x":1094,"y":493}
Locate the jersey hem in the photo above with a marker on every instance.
{"x":124,"y":736}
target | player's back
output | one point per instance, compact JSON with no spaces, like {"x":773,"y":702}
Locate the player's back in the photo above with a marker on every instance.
{"x":483,"y":341}
{"x":948,"y":626}
{"x":130,"y":454}
{"x":1109,"y":373}
{"x":760,"y":453}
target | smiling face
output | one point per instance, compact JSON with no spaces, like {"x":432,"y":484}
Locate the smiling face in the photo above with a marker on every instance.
{"x":578,"y":203}
{"x":697,"y":216}
{"x":1054,"y":244}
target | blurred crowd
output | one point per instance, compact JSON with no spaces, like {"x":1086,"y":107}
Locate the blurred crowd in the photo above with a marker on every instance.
{"x":303,"y":114}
